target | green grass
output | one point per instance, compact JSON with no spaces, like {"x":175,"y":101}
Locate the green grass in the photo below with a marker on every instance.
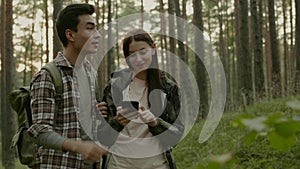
{"x":190,"y":154}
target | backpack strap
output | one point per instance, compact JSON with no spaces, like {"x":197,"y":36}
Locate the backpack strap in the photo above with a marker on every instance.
{"x":58,"y":84}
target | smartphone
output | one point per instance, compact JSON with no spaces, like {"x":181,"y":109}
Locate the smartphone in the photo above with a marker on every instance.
{"x":131,"y":106}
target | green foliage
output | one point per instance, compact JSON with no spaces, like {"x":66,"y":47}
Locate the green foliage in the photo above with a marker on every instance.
{"x":265,"y":136}
{"x":280,"y":130}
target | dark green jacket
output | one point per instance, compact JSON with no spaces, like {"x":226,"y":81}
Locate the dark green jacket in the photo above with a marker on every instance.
{"x":169,"y":129}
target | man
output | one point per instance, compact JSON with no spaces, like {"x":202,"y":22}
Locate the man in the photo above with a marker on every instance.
{"x":67,"y":141}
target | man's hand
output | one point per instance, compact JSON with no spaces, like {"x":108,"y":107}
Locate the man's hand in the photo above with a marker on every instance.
{"x":90,"y":150}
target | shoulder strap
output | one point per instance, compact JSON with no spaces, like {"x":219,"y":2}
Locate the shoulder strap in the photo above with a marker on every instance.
{"x":58,"y":84}
{"x":56,"y":77}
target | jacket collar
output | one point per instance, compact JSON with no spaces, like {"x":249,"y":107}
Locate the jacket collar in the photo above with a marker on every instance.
{"x":122,"y":78}
{"x":62,"y":61}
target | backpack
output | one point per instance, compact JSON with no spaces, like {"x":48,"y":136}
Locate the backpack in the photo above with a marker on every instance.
{"x":20,"y":101}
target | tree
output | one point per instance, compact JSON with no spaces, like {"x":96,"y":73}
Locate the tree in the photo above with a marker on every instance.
{"x":57,"y":6}
{"x":223,"y":47}
{"x":47,"y":29}
{"x":237,"y":52}
{"x":200,"y":69}
{"x":172,"y":43}
{"x":163,"y":37}
{"x":297,"y":86}
{"x":285,"y":47}
{"x":257,"y":46}
{"x":275,"y":76}
{"x":244,"y":58}
{"x":110,"y":54}
{"x":3,"y":85}
{"x":142,"y":14}
{"x":180,"y":31}
{"x":8,"y":125}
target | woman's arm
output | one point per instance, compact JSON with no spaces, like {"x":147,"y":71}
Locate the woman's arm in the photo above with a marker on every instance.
{"x":169,"y":128}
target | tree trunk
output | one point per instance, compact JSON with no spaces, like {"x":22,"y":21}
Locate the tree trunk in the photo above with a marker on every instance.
{"x":47,"y":30}
{"x":237,"y":53}
{"x":257,"y":51}
{"x":180,"y":31}
{"x":184,"y":16}
{"x":276,"y":82}
{"x":285,"y":49}
{"x":163,"y":37}
{"x":117,"y":33}
{"x":244,"y":59}
{"x":101,"y":71}
{"x":3,"y":75}
{"x":142,"y":14}
{"x":223,"y":51}
{"x":292,"y":53}
{"x":110,"y":54}
{"x":200,"y":69}
{"x":171,"y":19}
{"x":104,"y":61}
{"x":268,"y":62}
{"x":57,"y":6}
{"x":297,"y":86}
{"x":8,"y":127}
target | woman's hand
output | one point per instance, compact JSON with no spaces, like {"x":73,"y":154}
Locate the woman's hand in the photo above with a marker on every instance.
{"x":102,"y":107}
{"x":147,"y":117}
{"x":123,"y":117}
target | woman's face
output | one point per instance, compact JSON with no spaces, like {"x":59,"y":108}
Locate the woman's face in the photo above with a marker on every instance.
{"x":140,"y":57}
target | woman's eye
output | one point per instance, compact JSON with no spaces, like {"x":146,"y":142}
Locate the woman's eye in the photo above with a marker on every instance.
{"x":132,"y":55}
{"x":142,"y":52}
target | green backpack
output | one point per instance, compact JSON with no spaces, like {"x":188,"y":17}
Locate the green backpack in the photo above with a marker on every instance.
{"x":20,"y":101}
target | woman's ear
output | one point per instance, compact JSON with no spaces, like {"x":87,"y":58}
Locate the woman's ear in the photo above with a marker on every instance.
{"x":69,"y":35}
{"x":153,"y":48}
{"x":153,"y":45}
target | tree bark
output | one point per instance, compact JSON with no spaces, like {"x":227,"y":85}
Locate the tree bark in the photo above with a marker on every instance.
{"x":180,"y":31}
{"x":276,"y":77}
{"x":201,"y":75}
{"x":8,"y":127}
{"x":163,"y":37}
{"x":172,"y":43}
{"x":57,"y":6}
{"x":47,"y":30}
{"x":110,"y":54}
{"x":297,"y":86}
{"x":222,"y":50}
{"x":257,"y":49}
{"x":3,"y":68}
{"x":244,"y":59}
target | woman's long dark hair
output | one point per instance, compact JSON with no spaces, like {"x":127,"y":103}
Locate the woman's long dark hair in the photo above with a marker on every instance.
{"x":153,"y":73}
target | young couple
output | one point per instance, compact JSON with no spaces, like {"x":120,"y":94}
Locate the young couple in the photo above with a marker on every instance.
{"x":140,"y":139}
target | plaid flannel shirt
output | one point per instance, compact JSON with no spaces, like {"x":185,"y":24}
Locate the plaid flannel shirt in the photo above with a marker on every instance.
{"x":67,"y":119}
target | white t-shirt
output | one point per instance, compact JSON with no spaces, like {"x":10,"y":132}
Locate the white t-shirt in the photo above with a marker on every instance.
{"x":135,"y":146}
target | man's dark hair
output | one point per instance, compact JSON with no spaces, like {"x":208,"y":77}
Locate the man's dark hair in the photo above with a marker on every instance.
{"x":68,"y":19}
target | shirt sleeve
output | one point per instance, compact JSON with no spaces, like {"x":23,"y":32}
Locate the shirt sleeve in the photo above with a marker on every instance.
{"x":42,"y":104}
{"x":50,"y":140}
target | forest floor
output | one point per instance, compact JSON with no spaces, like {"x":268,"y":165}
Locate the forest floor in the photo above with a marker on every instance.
{"x":227,"y":147}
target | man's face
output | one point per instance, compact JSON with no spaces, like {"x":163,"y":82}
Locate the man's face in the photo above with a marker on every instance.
{"x":87,"y":37}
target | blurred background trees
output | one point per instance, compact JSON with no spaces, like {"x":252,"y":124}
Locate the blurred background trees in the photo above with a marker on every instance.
{"x":257,"y":41}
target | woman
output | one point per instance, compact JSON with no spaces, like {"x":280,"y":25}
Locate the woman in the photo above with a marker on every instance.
{"x":146,"y":136}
